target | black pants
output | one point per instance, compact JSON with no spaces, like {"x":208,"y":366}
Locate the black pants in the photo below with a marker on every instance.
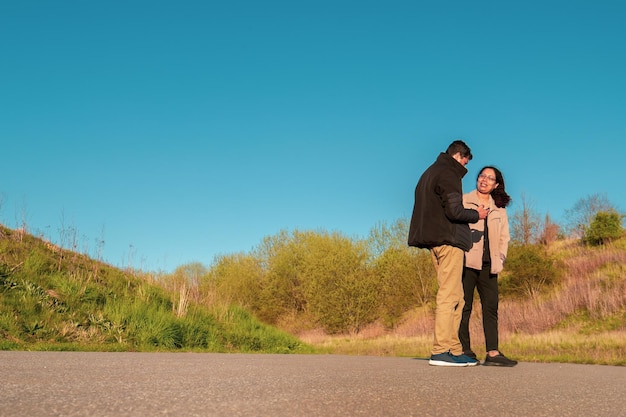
{"x":487,"y":285}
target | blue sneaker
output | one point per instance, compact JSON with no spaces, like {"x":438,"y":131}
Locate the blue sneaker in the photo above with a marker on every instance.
{"x":448,"y":359}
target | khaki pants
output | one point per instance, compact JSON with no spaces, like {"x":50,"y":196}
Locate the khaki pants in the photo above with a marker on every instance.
{"x":448,"y":262}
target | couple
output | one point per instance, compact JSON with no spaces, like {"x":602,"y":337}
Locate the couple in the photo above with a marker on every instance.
{"x":467,"y":236}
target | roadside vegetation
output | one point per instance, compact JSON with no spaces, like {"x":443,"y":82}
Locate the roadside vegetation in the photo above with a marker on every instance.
{"x":563,"y":295}
{"x":55,"y":299}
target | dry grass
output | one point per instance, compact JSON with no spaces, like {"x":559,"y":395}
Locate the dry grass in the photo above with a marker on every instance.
{"x":386,"y":344}
{"x":604,"y":348}
{"x":583,"y":321}
{"x":595,"y":283}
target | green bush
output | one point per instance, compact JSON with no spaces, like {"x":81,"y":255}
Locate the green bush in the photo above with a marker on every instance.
{"x":281,"y":290}
{"x":234,"y":279}
{"x":407,"y":280}
{"x":339,"y":292}
{"x":606,"y":226}
{"x":321,"y":279}
{"x":528,"y":271}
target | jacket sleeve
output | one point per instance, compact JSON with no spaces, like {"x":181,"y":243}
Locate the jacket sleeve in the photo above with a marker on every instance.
{"x":505,"y":236}
{"x":453,"y":207}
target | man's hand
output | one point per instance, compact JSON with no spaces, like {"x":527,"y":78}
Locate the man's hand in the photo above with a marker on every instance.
{"x":482,"y":212}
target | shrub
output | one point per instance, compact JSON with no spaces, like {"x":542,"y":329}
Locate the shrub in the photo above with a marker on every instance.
{"x":339,"y":292}
{"x":528,"y":271}
{"x":319,"y":277}
{"x":605,"y":227}
{"x":234,"y":279}
{"x":407,"y":279}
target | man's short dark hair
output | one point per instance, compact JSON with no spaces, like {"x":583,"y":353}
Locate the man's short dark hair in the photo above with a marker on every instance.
{"x":460,"y":147}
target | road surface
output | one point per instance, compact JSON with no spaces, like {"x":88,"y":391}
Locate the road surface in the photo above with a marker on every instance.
{"x":207,"y":384}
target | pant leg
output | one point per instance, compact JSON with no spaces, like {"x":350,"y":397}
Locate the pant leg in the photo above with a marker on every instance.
{"x":448,"y":262}
{"x":487,"y":285}
{"x":469,"y":285}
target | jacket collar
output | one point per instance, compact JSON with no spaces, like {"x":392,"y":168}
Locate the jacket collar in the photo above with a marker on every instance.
{"x":446,"y":159}
{"x":472,"y":197}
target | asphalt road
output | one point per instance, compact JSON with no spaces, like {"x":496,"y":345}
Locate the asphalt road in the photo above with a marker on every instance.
{"x":202,"y":384}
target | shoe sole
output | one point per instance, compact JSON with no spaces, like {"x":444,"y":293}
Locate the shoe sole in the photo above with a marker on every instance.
{"x":444,"y":363}
{"x":504,"y":365}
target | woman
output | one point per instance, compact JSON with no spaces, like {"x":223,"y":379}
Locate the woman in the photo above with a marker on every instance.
{"x":485,"y":260}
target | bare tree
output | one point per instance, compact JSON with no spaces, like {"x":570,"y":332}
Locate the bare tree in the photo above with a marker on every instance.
{"x":550,"y":231}
{"x":525,"y":224}
{"x":100,"y":245}
{"x":22,"y":224}
{"x":2,"y":200}
{"x":580,"y":216}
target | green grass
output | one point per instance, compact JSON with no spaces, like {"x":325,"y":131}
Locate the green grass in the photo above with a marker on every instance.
{"x":55,"y":300}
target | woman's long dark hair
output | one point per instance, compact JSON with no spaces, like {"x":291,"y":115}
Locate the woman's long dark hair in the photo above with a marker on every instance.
{"x":499,"y":195}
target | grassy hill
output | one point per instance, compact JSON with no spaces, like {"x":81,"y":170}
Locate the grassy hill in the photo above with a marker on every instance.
{"x":55,"y":299}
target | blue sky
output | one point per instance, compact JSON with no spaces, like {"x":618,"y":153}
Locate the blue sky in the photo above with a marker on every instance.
{"x":176,"y":131}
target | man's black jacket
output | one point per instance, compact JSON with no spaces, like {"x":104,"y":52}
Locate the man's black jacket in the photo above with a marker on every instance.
{"x":439,"y":217}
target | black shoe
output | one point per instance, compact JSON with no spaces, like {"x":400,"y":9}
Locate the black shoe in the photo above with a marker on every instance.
{"x":470,"y":354}
{"x":499,"y":360}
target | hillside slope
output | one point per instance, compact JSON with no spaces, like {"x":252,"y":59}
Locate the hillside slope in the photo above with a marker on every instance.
{"x":55,"y":299}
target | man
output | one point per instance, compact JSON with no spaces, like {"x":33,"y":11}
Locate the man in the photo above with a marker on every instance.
{"x":440,"y":224}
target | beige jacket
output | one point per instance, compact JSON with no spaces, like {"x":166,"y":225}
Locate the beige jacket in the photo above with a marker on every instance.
{"x":499,"y":235}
